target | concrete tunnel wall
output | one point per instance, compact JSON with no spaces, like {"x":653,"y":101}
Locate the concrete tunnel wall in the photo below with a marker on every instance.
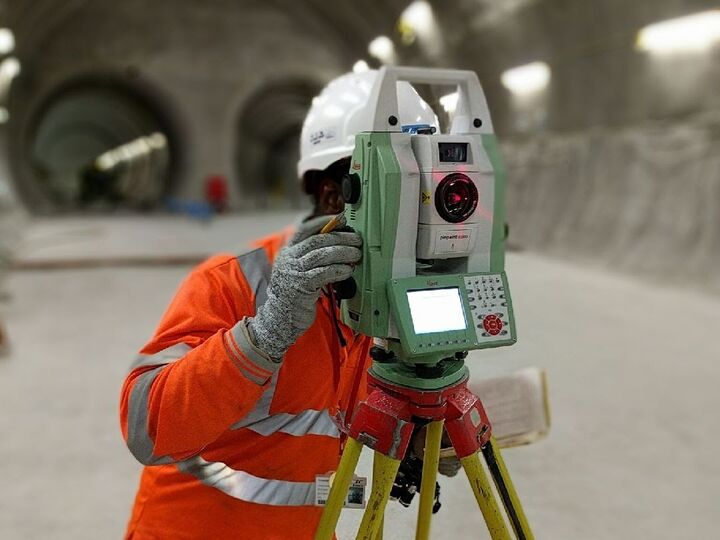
{"x":621,"y":168}
{"x":198,"y":66}
{"x":640,"y":199}
{"x":615,"y":163}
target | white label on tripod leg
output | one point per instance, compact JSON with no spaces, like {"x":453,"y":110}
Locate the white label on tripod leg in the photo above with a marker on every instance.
{"x":355,"y":497}
{"x":356,"y":493}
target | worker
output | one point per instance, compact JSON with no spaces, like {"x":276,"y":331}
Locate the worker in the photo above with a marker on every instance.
{"x":233,"y":405}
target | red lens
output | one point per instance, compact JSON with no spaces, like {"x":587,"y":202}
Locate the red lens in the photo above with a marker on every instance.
{"x":456,"y":198}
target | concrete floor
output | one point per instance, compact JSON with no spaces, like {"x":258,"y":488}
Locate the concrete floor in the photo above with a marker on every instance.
{"x":633,"y":369}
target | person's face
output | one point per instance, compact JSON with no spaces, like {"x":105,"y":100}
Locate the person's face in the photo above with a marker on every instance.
{"x":329,"y":197}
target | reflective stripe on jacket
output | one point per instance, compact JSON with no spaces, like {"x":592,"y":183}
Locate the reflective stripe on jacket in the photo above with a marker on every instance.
{"x":231,"y":441}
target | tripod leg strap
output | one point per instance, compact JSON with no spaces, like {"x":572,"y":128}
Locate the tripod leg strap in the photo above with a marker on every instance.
{"x":431,"y":457}
{"x":485,"y":497}
{"x":339,"y":490}
{"x":506,"y":489}
{"x":386,"y":469}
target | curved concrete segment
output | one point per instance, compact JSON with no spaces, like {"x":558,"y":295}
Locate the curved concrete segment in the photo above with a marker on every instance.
{"x":644,"y":200}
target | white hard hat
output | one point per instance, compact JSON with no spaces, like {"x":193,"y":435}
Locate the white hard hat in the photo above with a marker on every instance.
{"x":341,"y":111}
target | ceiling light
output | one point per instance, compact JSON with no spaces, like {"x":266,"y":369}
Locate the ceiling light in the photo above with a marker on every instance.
{"x":416,"y":20}
{"x":7,"y":41}
{"x":449,"y":102}
{"x":360,"y":66}
{"x":9,"y":68}
{"x":526,"y":79}
{"x":135,"y":149}
{"x":692,"y":33}
{"x":383,"y":49}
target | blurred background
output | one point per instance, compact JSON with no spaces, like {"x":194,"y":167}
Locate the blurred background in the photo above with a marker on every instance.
{"x":138,"y":137}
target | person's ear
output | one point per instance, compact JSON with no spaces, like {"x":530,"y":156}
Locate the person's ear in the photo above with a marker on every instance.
{"x":329,"y":195}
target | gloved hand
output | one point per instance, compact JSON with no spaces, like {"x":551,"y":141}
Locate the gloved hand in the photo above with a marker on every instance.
{"x":309,"y":262}
{"x":448,"y":465}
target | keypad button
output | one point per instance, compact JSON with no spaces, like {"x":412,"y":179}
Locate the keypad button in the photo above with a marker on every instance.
{"x":492,"y":324}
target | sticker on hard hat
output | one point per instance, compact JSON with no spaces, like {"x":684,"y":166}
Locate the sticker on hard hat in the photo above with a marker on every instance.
{"x":414,"y":128}
{"x":316,"y":137}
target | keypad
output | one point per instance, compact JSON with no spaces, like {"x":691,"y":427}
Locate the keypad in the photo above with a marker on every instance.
{"x":489,"y":307}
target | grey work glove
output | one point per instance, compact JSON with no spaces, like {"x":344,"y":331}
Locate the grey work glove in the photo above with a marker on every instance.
{"x":448,"y":465}
{"x":308,"y":263}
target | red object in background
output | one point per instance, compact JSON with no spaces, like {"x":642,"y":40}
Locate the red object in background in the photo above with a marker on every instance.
{"x":216,"y":192}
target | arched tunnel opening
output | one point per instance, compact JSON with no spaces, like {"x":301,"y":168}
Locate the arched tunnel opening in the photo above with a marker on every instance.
{"x":268,"y":143}
{"x":98,"y":146}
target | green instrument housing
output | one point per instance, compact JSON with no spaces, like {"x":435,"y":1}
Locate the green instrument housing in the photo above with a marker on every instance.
{"x":375,"y":217}
{"x":425,"y":347}
{"x":387,"y":216}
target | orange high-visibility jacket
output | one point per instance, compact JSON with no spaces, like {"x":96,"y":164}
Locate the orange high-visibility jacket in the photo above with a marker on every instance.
{"x":231,"y":444}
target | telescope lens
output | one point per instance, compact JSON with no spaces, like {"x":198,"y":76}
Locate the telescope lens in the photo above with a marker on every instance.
{"x":456,"y":198}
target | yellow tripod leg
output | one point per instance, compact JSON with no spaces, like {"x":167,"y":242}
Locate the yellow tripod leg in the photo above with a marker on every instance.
{"x":433,"y":439}
{"x":375,"y":485}
{"x":507,"y":492}
{"x":379,"y":535}
{"x":339,"y":490}
{"x":485,"y":497}
{"x":385,"y":469}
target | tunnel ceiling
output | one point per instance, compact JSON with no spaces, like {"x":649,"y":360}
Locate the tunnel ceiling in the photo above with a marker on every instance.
{"x":589,"y":45}
{"x":34,"y":22}
{"x":198,"y":64}
{"x":201,"y":63}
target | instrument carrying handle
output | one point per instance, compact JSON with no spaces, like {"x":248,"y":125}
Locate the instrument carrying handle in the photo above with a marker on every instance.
{"x":471,"y":113}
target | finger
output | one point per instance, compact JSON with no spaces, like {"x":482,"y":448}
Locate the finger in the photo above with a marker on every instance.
{"x":313,"y":226}
{"x":327,"y":256}
{"x":325,"y":240}
{"x":308,"y":228}
{"x":324,"y":275}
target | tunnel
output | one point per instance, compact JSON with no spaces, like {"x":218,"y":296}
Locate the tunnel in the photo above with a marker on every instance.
{"x":267,"y":147}
{"x":179,"y":358}
{"x":98,"y":146}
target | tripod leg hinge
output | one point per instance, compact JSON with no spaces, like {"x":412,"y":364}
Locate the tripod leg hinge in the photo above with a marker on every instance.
{"x":384,"y":424}
{"x":467,"y":423}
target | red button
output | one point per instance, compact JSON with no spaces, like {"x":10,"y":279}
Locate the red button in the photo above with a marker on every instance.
{"x":492,"y":324}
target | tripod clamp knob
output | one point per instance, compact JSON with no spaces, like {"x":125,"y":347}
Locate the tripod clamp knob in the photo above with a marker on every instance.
{"x":382,"y":355}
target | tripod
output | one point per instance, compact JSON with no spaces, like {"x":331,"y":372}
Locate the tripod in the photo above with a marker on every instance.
{"x":385,"y":422}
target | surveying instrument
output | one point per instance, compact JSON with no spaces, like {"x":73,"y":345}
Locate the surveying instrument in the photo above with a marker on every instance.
{"x":430,"y":287}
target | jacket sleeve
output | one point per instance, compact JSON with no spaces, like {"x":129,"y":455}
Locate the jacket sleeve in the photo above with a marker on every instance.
{"x":199,"y":374}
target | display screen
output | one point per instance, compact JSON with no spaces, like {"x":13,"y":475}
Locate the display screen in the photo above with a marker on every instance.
{"x":453,"y":151}
{"x":436,"y":310}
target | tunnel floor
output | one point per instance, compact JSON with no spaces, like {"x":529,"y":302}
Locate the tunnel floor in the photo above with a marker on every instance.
{"x":633,"y":373}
